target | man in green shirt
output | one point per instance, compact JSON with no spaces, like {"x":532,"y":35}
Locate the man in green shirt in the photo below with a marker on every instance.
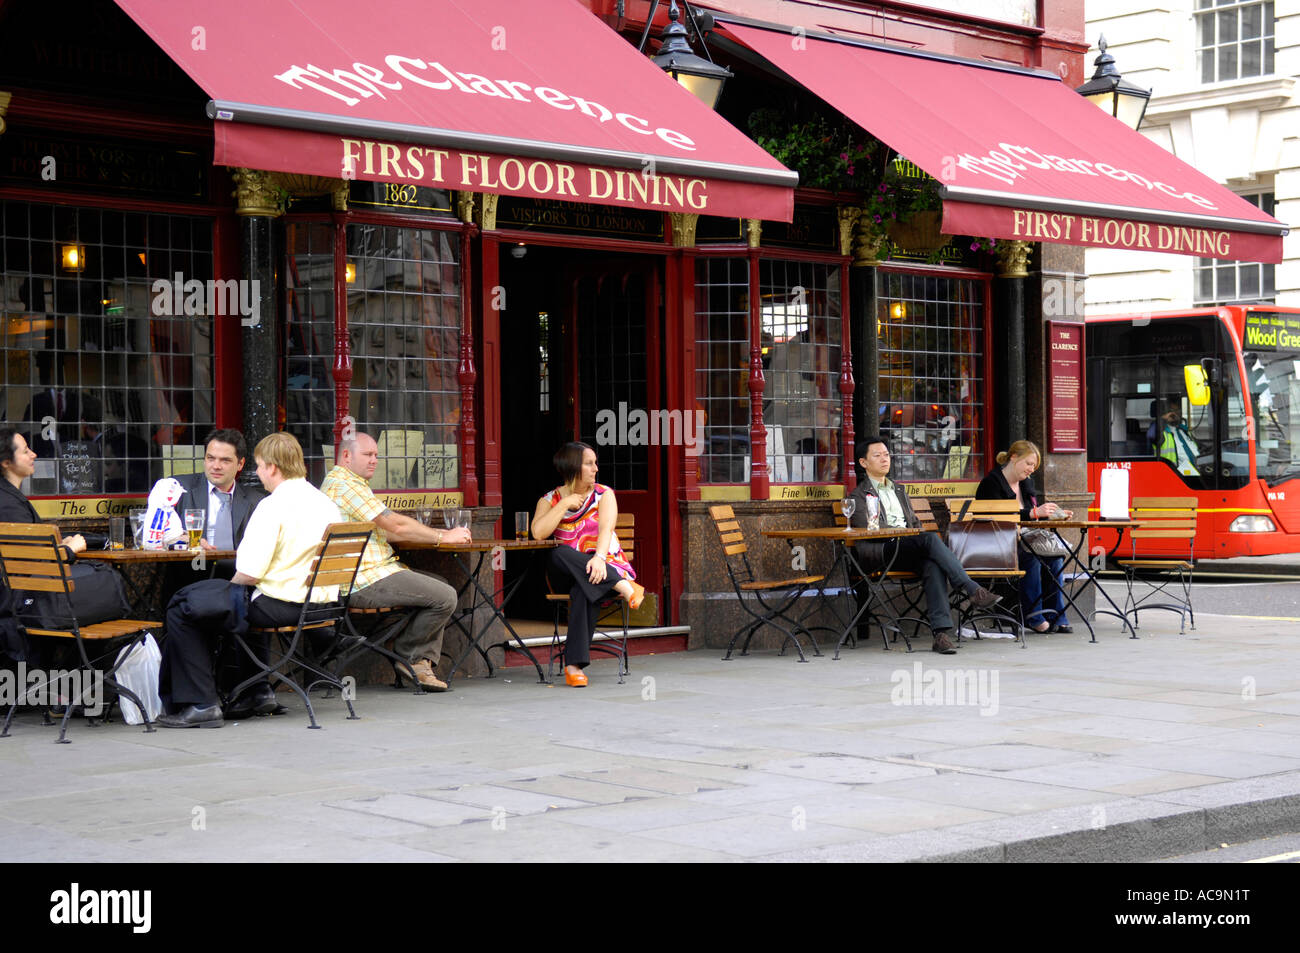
{"x":925,"y":554}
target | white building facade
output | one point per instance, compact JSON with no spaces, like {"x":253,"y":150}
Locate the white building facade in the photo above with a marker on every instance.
{"x":1226,"y":100}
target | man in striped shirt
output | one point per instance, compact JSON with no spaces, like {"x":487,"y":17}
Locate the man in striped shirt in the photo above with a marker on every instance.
{"x":382,"y":580}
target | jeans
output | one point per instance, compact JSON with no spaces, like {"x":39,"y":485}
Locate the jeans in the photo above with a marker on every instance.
{"x":422,"y":636}
{"x":1040,"y":574}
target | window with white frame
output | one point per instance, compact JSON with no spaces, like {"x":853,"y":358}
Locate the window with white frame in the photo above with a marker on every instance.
{"x":1234,"y":40}
{"x":1235,"y":282}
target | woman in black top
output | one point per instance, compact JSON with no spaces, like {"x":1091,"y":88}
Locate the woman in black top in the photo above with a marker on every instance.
{"x":1009,"y":480}
{"x":17,"y":462}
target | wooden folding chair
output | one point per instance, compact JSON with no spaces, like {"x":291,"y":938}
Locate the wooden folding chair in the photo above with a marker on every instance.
{"x":625,"y":530}
{"x":32,"y":560}
{"x":1170,"y":518}
{"x":336,"y":563}
{"x":1003,"y":511}
{"x":784,"y":591}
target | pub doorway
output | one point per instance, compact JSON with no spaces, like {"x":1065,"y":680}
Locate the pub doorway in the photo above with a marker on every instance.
{"x":580,"y":357}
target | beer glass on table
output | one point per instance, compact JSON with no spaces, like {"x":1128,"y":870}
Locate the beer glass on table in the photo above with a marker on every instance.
{"x":194,"y":520}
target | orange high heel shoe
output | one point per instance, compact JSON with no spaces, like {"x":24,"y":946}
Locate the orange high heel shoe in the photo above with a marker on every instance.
{"x":638,"y":596}
{"x":574,"y":677}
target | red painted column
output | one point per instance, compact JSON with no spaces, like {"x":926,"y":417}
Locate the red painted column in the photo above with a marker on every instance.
{"x":342,"y":371}
{"x":466,"y":377}
{"x":760,"y":487}
{"x":847,"y":385}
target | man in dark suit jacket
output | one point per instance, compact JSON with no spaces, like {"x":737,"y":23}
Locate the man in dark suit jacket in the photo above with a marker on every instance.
{"x":926,"y":554}
{"x":227,"y":503}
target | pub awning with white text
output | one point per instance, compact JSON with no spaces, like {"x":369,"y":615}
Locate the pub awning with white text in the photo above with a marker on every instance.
{"x":1020,"y":155}
{"x":540,"y":100}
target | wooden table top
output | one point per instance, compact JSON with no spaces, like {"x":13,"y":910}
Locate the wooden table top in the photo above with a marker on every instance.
{"x":842,"y":533}
{"x":1080,"y":524}
{"x":481,"y":545}
{"x":138,"y":556}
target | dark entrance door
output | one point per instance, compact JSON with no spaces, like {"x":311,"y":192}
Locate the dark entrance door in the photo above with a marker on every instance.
{"x":581,"y":361}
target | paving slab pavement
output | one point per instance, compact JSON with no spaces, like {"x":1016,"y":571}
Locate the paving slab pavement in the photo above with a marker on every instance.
{"x":1064,"y":750}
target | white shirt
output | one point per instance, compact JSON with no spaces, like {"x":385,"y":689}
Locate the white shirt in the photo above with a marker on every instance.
{"x":281,"y":538}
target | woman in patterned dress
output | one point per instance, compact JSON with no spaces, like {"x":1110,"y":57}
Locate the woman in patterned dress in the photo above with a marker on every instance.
{"x":581,"y":515}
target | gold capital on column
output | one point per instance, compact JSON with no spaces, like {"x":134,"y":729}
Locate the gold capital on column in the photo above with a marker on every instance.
{"x":4,"y":106}
{"x":257,"y":193}
{"x":683,"y":225}
{"x":867,"y":239}
{"x":848,"y":217}
{"x":753,"y":232}
{"x":465,"y":207}
{"x":1013,"y":258}
{"x":487,"y":211}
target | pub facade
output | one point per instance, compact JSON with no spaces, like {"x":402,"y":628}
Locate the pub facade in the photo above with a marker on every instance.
{"x":516,"y":230}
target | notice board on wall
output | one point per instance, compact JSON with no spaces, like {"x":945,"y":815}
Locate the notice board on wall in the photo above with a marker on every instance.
{"x":1065,"y":423}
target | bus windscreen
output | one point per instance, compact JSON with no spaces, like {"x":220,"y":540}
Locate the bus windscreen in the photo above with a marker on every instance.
{"x":1271,"y":354}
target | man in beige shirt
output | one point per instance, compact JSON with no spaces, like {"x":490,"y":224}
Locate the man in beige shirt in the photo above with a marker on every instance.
{"x":275,"y":558}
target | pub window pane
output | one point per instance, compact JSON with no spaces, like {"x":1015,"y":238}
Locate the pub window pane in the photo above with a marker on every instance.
{"x":722,"y":367}
{"x":404,"y":321}
{"x":801,"y":328}
{"x":109,"y":379}
{"x":931,"y":346}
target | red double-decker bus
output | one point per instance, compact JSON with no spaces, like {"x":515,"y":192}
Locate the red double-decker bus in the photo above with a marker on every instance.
{"x":1202,"y":403}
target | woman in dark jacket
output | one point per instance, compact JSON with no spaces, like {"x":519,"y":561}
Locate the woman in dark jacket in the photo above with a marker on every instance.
{"x":1009,"y":480}
{"x":17,"y":462}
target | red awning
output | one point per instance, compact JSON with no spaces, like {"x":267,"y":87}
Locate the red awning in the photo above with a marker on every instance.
{"x":531,"y":99}
{"x":1022,"y":156}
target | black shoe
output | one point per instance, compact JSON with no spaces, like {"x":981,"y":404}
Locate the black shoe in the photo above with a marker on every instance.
{"x":981,"y":598}
{"x":193,"y":716}
{"x":259,"y":700}
{"x":1062,"y":627}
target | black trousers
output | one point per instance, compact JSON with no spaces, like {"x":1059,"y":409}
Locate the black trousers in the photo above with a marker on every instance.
{"x":928,"y":555}
{"x":567,"y":569}
{"x":187,"y":675}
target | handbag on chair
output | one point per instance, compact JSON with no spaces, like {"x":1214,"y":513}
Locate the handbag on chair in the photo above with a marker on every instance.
{"x":983,"y":543}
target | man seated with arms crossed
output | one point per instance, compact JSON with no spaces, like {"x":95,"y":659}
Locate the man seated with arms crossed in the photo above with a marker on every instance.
{"x":275,"y":556}
{"x":925,"y":554}
{"x":382,"y":581}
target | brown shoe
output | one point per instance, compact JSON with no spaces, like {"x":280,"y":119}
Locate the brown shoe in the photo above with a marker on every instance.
{"x":943,"y":645}
{"x":424,"y":674}
{"x":981,"y":598}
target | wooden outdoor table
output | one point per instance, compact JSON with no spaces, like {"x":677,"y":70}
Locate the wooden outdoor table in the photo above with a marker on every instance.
{"x":1089,"y":577}
{"x":845,"y":557}
{"x":461,"y":552}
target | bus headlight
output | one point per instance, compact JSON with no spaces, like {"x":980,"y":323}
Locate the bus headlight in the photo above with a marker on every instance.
{"x":1252,"y":524}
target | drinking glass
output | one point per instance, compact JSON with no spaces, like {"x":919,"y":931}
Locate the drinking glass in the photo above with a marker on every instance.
{"x":116,"y":532}
{"x":136,"y":516}
{"x":425,"y":515}
{"x":521,"y":525}
{"x":449,"y":517}
{"x":463,"y":519}
{"x":873,"y":513}
{"x":848,"y":505}
{"x":194,"y":520}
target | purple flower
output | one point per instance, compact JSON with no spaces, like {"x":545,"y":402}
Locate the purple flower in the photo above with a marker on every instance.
{"x":974,"y":246}
{"x":877,"y":218}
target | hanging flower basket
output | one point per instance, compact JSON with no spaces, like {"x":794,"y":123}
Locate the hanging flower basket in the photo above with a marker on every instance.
{"x":921,"y":232}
